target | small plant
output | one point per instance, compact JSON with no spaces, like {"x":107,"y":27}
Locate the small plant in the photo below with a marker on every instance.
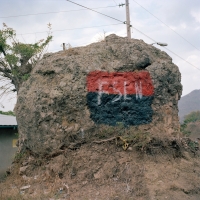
{"x":101,"y":37}
{"x":18,"y":156}
{"x":193,"y":145}
{"x":17,"y":135}
{"x":184,"y":129}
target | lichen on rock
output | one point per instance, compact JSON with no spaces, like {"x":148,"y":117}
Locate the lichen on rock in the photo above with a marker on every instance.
{"x":56,"y":105}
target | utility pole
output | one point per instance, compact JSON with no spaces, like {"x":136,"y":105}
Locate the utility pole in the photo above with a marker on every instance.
{"x":64,"y":48}
{"x":128,"y":25}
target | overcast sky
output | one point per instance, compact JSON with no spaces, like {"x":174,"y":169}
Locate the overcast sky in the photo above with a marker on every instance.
{"x":182,"y":16}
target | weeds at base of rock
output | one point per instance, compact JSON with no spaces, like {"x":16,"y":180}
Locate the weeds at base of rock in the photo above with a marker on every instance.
{"x":145,"y":144}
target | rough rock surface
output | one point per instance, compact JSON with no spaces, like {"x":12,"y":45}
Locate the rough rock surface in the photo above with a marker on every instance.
{"x":53,"y":108}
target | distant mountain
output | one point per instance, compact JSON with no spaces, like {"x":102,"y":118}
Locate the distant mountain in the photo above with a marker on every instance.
{"x":189,"y":103}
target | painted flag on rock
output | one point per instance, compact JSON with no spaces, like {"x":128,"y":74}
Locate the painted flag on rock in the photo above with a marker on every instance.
{"x":120,"y":97}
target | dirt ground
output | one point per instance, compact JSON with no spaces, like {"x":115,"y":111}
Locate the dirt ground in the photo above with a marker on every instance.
{"x":105,"y":171}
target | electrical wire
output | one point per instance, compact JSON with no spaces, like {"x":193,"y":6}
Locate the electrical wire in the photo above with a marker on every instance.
{"x":182,"y":58}
{"x":114,"y":25}
{"x":166,"y":48}
{"x":167,"y":26}
{"x":53,"y":12}
{"x":115,"y":2}
{"x":118,"y":24}
{"x":70,"y":29}
{"x":80,"y":45}
{"x":96,"y":11}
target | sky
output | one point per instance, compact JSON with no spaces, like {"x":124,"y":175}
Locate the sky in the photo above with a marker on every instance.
{"x":176,"y":23}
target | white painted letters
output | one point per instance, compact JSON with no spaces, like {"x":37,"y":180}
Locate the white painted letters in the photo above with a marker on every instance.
{"x":100,"y":92}
{"x":116,"y":90}
{"x":125,"y":92}
{"x":138,"y":90}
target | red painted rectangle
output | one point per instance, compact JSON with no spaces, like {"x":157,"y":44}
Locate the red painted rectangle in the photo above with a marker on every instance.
{"x":123,"y":83}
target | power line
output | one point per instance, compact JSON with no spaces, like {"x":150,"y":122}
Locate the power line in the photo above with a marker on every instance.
{"x":53,"y":12}
{"x":82,"y":44}
{"x":166,"y":48}
{"x":96,"y":11}
{"x":182,"y":58}
{"x":114,"y":25}
{"x":150,"y":39}
{"x":115,"y":2}
{"x":70,"y":29}
{"x":167,"y":26}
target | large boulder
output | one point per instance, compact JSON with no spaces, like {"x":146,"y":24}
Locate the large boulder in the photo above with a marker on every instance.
{"x":72,"y":95}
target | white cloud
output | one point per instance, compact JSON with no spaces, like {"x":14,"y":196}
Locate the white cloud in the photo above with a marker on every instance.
{"x":183,"y":25}
{"x":196,"y":15}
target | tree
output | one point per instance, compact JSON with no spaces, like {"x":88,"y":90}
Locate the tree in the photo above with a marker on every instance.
{"x":7,"y":113}
{"x":191,"y":117}
{"x":18,"y":59}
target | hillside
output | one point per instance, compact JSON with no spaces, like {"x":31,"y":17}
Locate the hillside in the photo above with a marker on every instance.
{"x":194,"y":130}
{"x":189,"y":103}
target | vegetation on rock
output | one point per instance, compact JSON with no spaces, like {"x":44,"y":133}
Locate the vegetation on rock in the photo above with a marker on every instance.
{"x":55,"y":97}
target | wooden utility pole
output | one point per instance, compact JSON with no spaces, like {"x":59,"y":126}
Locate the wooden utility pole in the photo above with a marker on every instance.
{"x":128,"y":25}
{"x":64,"y":48}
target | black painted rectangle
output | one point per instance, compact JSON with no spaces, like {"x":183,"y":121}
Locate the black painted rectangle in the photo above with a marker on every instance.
{"x":111,"y":110}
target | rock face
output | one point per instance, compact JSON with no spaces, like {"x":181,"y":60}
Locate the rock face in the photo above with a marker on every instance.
{"x":73,"y":94}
